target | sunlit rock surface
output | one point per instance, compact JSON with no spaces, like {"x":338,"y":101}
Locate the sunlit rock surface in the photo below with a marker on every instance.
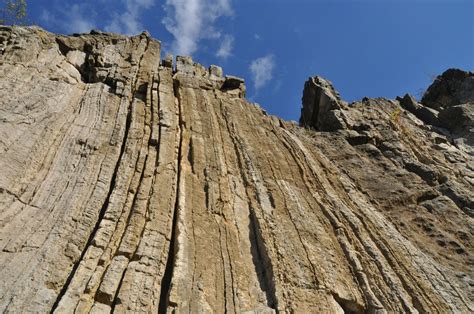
{"x":131,"y":185}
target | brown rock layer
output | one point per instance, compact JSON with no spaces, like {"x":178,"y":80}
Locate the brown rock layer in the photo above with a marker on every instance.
{"x":130,"y":186}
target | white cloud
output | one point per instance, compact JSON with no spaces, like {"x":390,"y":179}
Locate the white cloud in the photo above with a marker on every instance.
{"x":262,"y":70}
{"x":225,"y":49}
{"x":128,"y":22}
{"x":189,"y":21}
{"x":74,"y":19}
{"x":47,"y":17}
{"x":78,"y":22}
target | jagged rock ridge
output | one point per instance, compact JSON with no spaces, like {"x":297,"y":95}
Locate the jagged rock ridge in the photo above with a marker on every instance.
{"x":127,"y":185}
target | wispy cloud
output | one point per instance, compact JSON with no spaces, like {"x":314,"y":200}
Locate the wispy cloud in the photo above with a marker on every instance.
{"x":262,"y":70}
{"x":74,"y":20}
{"x":128,"y":22}
{"x":225,"y":49}
{"x":79,"y":22}
{"x":190,"y":21}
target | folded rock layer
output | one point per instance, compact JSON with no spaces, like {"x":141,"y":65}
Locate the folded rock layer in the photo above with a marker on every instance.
{"x":128,"y":185}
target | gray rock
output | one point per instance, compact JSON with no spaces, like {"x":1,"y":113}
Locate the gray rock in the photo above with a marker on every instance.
{"x":461,"y":195}
{"x":422,"y":170}
{"x":425,"y":114}
{"x":452,"y":94}
{"x":321,"y":106}
{"x":458,"y":118}
{"x":451,"y":88}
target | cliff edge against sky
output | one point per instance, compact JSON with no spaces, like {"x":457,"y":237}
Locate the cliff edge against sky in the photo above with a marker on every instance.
{"x":129,"y":184}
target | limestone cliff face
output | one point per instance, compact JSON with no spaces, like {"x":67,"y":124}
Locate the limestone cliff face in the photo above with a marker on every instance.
{"x":128,"y":185}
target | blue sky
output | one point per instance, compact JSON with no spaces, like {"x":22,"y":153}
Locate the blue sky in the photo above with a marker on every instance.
{"x":368,"y":48}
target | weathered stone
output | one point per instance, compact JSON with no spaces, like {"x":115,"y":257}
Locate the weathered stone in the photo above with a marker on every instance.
{"x":234,"y":86}
{"x":184,"y":64}
{"x":77,"y":59}
{"x":111,"y":280}
{"x":130,"y":187}
{"x":425,"y":114}
{"x":452,"y":93}
{"x":321,"y":106}
{"x":459,"y":118}
{"x":215,"y":71}
{"x":423,"y":171}
{"x":451,"y":88}
{"x":232,"y":82}
{"x":168,"y":61}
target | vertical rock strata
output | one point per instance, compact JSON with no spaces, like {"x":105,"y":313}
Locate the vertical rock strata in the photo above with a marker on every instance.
{"x":128,"y":185}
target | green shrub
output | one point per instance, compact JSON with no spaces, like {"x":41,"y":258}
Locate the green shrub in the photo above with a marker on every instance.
{"x":12,"y":11}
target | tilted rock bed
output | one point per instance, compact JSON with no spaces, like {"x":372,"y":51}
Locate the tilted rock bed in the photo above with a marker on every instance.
{"x":129,"y":184}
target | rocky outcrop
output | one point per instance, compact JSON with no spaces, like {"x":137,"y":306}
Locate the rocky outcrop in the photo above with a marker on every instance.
{"x":321,"y":106}
{"x":452,"y":94}
{"x":451,"y":88}
{"x":128,"y":185}
{"x":425,"y":114}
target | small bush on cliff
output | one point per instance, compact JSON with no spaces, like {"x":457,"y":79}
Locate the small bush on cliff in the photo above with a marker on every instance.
{"x":12,"y":11}
{"x":396,"y":121}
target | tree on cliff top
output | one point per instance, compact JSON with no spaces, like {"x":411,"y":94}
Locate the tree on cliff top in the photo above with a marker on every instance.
{"x":12,"y":11}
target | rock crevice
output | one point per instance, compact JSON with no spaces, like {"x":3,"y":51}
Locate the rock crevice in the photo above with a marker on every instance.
{"x":130,"y":184}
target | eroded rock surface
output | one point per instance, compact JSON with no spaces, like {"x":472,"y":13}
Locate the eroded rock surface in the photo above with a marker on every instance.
{"x":131,"y":186}
{"x":452,"y":94}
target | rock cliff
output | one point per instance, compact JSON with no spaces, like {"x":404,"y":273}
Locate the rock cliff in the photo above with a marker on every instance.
{"x":131,"y":185}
